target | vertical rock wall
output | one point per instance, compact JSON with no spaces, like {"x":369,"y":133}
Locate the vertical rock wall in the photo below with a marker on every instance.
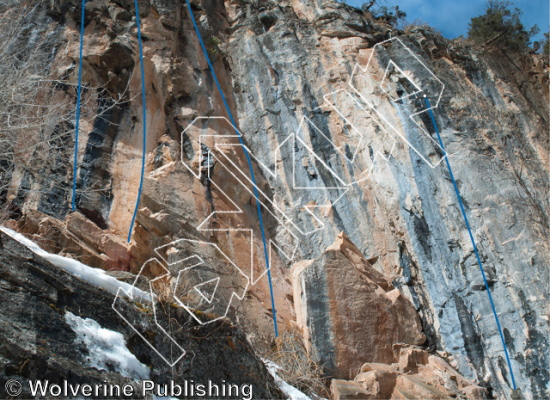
{"x":278,"y":62}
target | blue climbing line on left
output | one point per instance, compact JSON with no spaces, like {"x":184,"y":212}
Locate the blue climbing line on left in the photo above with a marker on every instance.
{"x":78,"y":102}
{"x":473,"y":244}
{"x":144,"y":122}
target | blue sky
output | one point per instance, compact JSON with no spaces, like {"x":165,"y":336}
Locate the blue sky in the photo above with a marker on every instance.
{"x":451,"y":17}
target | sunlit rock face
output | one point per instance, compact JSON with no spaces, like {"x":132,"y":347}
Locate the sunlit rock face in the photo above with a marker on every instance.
{"x":341,"y":141}
{"x":351,"y":313}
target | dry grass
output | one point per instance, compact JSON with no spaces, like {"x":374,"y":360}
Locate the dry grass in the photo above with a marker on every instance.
{"x":298,"y":368}
{"x":408,"y":26}
{"x":162,"y":287}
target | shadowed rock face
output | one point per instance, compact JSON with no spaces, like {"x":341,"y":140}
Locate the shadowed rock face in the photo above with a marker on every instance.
{"x":276,"y":60}
{"x":38,"y":343}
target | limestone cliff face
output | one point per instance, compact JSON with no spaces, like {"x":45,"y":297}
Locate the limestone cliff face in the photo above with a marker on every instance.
{"x":330,"y":153}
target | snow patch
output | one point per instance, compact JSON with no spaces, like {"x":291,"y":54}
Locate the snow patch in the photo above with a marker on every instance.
{"x":95,"y":276}
{"x":107,"y":349}
{"x":289,"y":390}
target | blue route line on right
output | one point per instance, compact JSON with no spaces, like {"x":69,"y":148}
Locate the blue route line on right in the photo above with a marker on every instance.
{"x":78,"y":101}
{"x":474,"y":244}
{"x":247,"y":158}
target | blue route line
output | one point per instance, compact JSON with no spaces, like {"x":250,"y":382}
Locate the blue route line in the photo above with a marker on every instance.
{"x":144,"y":122}
{"x":78,"y":101}
{"x":78,"y":113}
{"x":474,"y":244}
{"x":247,"y":158}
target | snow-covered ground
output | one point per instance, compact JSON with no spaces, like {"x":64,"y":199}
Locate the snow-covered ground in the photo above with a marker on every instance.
{"x":106,"y":348}
{"x":290,"y":391}
{"x":95,"y":276}
{"x":109,"y":347}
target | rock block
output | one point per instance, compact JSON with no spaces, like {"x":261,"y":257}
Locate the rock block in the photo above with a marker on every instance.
{"x":348,"y":390}
{"x":474,"y":392}
{"x":352,"y":313}
{"x":415,"y":387}
{"x":411,"y":358}
{"x":380,"y":382}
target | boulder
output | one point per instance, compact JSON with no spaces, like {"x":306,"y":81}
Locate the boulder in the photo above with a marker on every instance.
{"x":411,"y":358}
{"x":348,"y":390}
{"x":441,"y":365}
{"x":402,"y":394}
{"x":416,"y":388}
{"x":416,"y":376}
{"x":474,"y":392}
{"x":351,"y":313}
{"x":378,"y":379}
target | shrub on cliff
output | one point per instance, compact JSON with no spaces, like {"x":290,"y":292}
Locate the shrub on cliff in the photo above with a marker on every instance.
{"x":546,"y":44}
{"x":391,"y":15}
{"x":38,"y":109}
{"x":500,"y":26}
